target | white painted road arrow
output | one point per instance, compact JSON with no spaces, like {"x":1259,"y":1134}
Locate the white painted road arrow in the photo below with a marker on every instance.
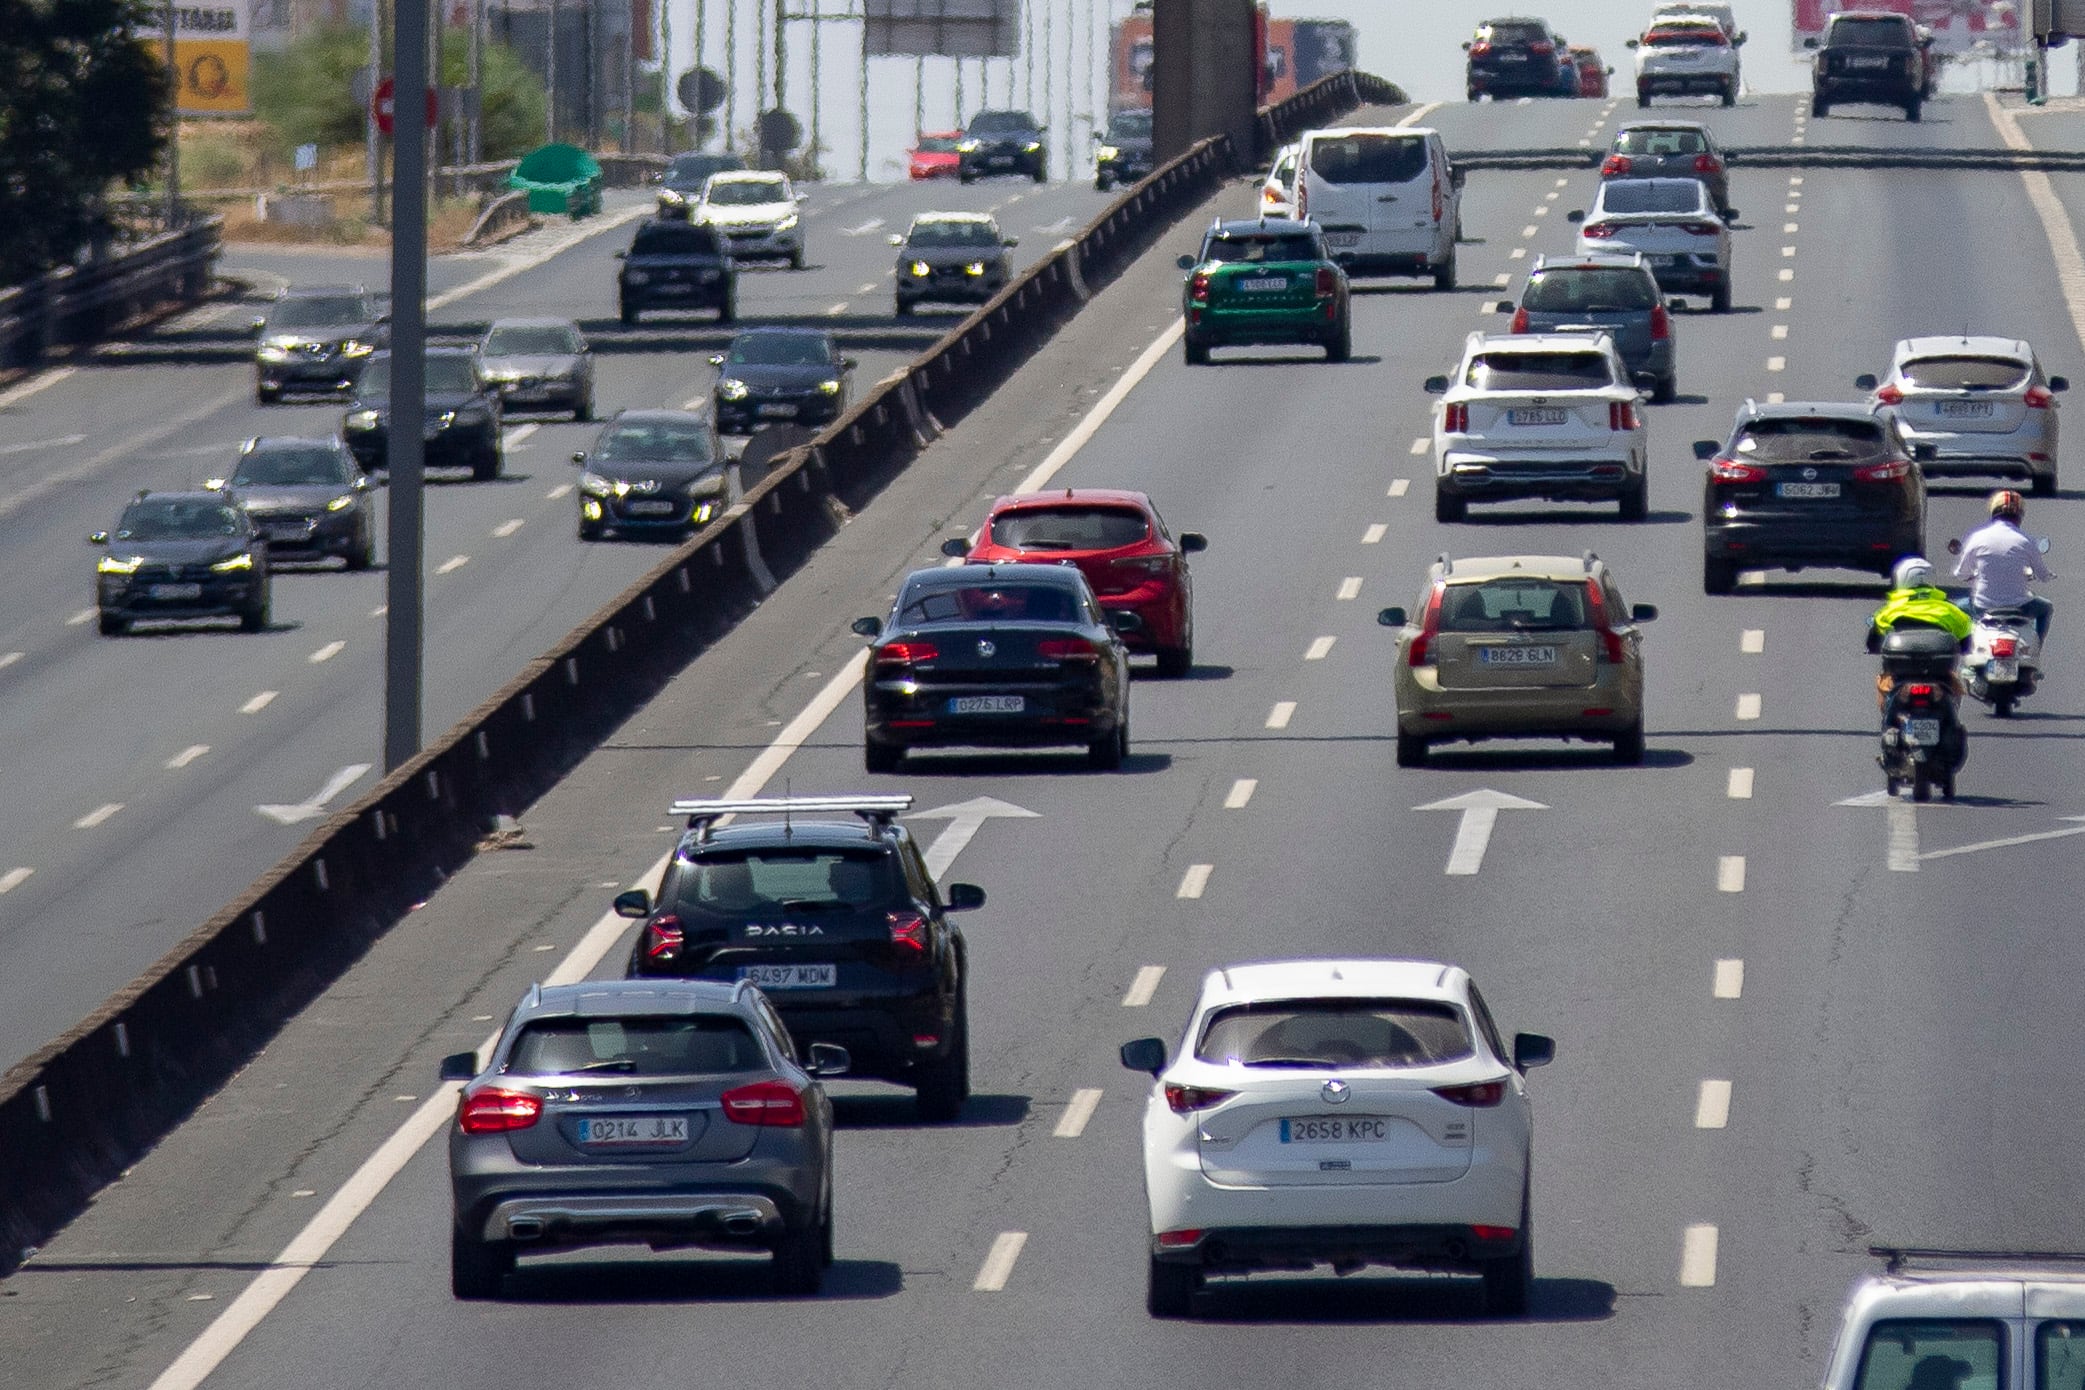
{"x":2010,"y":840}
{"x":1480,"y":813}
{"x":965,"y":819}
{"x":316,"y":806}
{"x":1903,"y":855}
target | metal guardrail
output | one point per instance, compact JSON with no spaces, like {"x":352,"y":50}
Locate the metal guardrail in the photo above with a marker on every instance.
{"x":501,"y":215}
{"x":1801,"y":157}
{"x":82,"y":304}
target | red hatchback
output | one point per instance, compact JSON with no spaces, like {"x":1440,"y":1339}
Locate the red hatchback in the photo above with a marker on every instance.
{"x":935,"y":156}
{"x":1119,"y":542}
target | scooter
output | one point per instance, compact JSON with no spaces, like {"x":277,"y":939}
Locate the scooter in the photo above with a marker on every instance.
{"x":1923,"y":742}
{"x":2003,"y":664}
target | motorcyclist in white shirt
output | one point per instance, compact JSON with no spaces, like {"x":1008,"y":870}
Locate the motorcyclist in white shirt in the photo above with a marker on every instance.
{"x":1999,"y":559}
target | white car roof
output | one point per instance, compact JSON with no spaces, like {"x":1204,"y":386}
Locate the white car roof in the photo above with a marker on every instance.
{"x":1316,"y":979}
{"x":749,"y":176}
{"x":1976,"y":345}
{"x":1591,"y":343}
{"x":1344,"y":130}
{"x":982,"y":218}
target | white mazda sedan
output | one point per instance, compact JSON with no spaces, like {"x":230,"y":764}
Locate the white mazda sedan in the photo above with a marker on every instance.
{"x":1344,"y":1113}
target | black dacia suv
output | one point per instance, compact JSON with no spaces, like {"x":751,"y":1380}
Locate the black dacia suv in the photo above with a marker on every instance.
{"x":838,"y":922}
{"x":1868,"y":56}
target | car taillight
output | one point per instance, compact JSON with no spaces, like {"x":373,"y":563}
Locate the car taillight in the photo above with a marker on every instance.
{"x":2005,"y":646}
{"x":1888,"y":471}
{"x":1541,"y":50}
{"x":775,"y":1104}
{"x":1429,"y":628}
{"x":663,"y":938}
{"x":1478,"y":50}
{"x":1889,"y":395}
{"x":1700,"y":228}
{"x":1919,"y":695}
{"x":908,"y":932}
{"x":1455,"y":419}
{"x":1616,"y":164}
{"x":1178,"y":1240}
{"x":1621,"y":415}
{"x":1271,"y":197}
{"x":1661,"y":324}
{"x":1328,"y":282}
{"x":905,"y":653}
{"x":1611,"y":647}
{"x":1198,"y":287}
{"x":1520,"y":321}
{"x":1706,"y":164}
{"x":1728,"y":470}
{"x":1481,"y":1095}
{"x":1186,"y":1099}
{"x":1067,"y":649}
{"x":1597,"y":231}
{"x":493,"y":1111}
{"x":2039,"y":398}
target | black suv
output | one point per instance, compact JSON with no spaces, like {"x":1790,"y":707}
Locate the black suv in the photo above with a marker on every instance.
{"x":1868,"y":56}
{"x":1516,"y":58}
{"x":181,"y":555}
{"x":676,"y":265}
{"x":838,"y":922}
{"x":316,"y":339}
{"x":1802,"y":484}
{"x":1002,"y":142}
{"x":1124,"y":155}
{"x":463,"y":415}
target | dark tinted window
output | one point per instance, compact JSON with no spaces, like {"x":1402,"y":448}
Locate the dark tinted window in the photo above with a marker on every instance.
{"x":1940,"y":1354}
{"x":2059,"y":1355}
{"x":732,"y":882}
{"x":783,"y":349}
{"x":1002,"y":123}
{"x":1877,"y":31}
{"x":928,"y":235}
{"x":677,"y":440}
{"x":1335,"y":1033}
{"x":533,"y":341}
{"x":1651,"y":195}
{"x":1130,"y":125}
{"x":1001,"y":602}
{"x":746,"y":193}
{"x":674,"y":239}
{"x":937,"y":144}
{"x":641,"y":1046}
{"x":1539,"y":371}
{"x":1253,"y":248}
{"x":1070,"y":528}
{"x":1808,"y":440}
{"x":1514,"y":32}
{"x":1368,"y":158}
{"x":448,"y":376}
{"x":329,"y":311}
{"x":167,"y":520}
{"x":1660,"y":142}
{"x":1513,"y":605}
{"x":694,"y":168}
{"x":1567,"y":291}
{"x":1965,"y":373}
{"x":313,"y":466}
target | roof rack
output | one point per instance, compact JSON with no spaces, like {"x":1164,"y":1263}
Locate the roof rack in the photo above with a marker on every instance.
{"x":878,"y":811}
{"x":1900,"y":1256}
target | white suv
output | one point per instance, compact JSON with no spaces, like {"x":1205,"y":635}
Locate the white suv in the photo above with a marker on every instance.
{"x":1341,"y":1112}
{"x":1555,"y":416}
{"x":1963,"y":1320}
{"x":1686,"y":55}
{"x":757,"y":214}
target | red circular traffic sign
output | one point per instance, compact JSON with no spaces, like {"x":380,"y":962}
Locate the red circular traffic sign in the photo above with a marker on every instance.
{"x":383,"y":105}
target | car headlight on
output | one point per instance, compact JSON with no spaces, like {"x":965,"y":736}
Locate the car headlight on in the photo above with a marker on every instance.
{"x":237,"y":562}
{"x":974,"y":268}
{"x":1107,"y":152}
{"x":921,"y":269}
{"x":364,"y":420}
{"x":598,"y":486}
{"x":341,"y":504}
{"x":732,"y":389}
{"x":667,"y":195}
{"x":830,"y":388}
{"x":355,"y":348}
{"x":969,"y":146}
{"x":445,"y":419}
{"x":274,"y":352}
{"x":786,"y":224}
{"x":1032,"y":147}
{"x":109,"y":564}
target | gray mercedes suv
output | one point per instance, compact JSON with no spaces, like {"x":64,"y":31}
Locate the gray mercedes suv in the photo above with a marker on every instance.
{"x":668,"y":1113}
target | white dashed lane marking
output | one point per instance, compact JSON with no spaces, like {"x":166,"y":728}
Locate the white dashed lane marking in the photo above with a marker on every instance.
{"x":1712,"y":1105}
{"x":1783,"y":304}
{"x":1279,"y":716}
{"x":836,"y":310}
{"x":1319,"y":649}
{"x":1730,"y":874}
{"x":13,"y":879}
{"x":1778,"y":331}
{"x":1698,"y":1257}
{"x":1240,"y":793}
{"x":508,"y":527}
{"x":187,"y":755}
{"x":327,"y":652}
{"x":1790,"y":228}
{"x":1528,"y":231}
{"x":1349,"y":588}
{"x":1194,"y":881}
{"x":85,"y":615}
{"x":1787,"y":252}
{"x":1730,"y":978}
{"x":1748,"y":706}
{"x":1739,"y":788}
{"x":1518,"y":253}
{"x":999,"y":1263}
{"x":1776,"y":364}
{"x":1400,"y":486}
{"x":258,"y":703}
{"x":1502,"y":279}
{"x":1072,"y":1123}
{"x":519,"y":435}
{"x":1752,"y":641}
{"x":1374,"y":533}
{"x":97,"y":815}
{"x":562,"y":489}
{"x":452,"y":564}
{"x":1143,"y":986}
{"x":1787,"y":274}
{"x":1421,"y":446}
{"x":8,"y":659}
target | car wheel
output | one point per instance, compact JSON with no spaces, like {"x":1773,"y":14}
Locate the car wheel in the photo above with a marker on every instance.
{"x":1508,"y":1282}
{"x":1196,"y":354}
{"x":584,"y":410}
{"x":1667,"y":388}
{"x":1101,"y":183}
{"x":1819,"y":107}
{"x":1636,"y":502}
{"x":364,"y":554}
{"x":627,"y":312}
{"x":1921,"y":783}
{"x":1340,"y":346}
{"x":1730,"y":94}
{"x":796,"y":259}
{"x":1444,"y":273}
{"x":944,"y":1084}
{"x":487,"y":465}
{"x":727,"y":311}
{"x":113,"y":626}
{"x":1911,"y":109}
{"x":1411,"y":750}
{"x":1628,"y":746}
{"x":255,"y":619}
{"x":1718,"y":576}
{"x":880,"y":757}
{"x":1643,"y":98}
{"x":2043,"y":485}
{"x":966,"y":177}
{"x":1171,"y":1288}
{"x":267,"y":395}
{"x":1106,"y":755}
{"x":1041,"y":175}
{"x":1475,"y":95}
{"x":799,"y":1261}
{"x":1447,"y":507}
{"x":476,"y":1267}
{"x":589,"y":531}
{"x":1720,"y":300}
{"x":903,"y":308}
{"x":1174,"y":663}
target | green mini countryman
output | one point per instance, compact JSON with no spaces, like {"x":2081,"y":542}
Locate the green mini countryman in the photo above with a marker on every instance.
{"x":1265,"y":281}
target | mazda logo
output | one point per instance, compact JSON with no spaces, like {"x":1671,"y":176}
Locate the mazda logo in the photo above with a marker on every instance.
{"x":1336,"y":1092}
{"x":987,"y":647}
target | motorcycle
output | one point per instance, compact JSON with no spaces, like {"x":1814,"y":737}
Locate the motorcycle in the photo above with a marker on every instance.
{"x":1923,"y":741}
{"x":2003,"y":664}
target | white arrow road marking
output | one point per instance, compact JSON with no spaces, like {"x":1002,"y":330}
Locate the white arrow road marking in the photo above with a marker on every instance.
{"x":1480,"y":813}
{"x":873,"y":224}
{"x":2006,"y":843}
{"x":965,"y":819}
{"x":61,"y":442}
{"x":1059,"y":227}
{"x":316,"y":806}
{"x":1903,"y":848}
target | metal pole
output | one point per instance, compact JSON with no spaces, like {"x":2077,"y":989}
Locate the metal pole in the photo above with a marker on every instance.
{"x":404,"y":444}
{"x":759,"y":78}
{"x":730,"y":76}
{"x":1049,"y":115}
{"x":666,"y":76}
{"x":862,"y":100}
{"x":477,"y":81}
{"x":781,"y":65}
{"x":958,"y":122}
{"x":817,"y":90}
{"x":372,"y":144}
{"x":173,"y":208}
{"x":919,"y":94}
{"x":593,"y":74}
{"x":550,"y":75}
{"x":630,"y":79}
{"x":1028,"y":53}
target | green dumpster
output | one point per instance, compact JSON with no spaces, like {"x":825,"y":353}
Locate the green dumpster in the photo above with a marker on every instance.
{"x":559,"y":178}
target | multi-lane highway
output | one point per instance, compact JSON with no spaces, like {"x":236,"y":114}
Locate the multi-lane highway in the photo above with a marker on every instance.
{"x":127,"y":804}
{"x":1786,"y":1026}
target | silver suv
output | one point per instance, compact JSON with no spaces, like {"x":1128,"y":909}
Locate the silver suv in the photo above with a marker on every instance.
{"x":669,"y":1113}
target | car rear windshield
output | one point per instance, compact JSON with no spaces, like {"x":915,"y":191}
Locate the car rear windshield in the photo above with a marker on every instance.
{"x":1009,"y":602}
{"x":1692,"y":36}
{"x":173,"y":521}
{"x":1660,"y":142}
{"x":1368,"y":158}
{"x":1965,"y":373}
{"x":1933,"y":1354}
{"x":1507,"y":31}
{"x":1539,"y":371}
{"x":316,"y":312}
{"x":1070,"y":528}
{"x":731,"y":882}
{"x":1570,"y":291}
{"x":745,"y":193}
{"x":447,"y":376}
{"x":937,"y":144}
{"x":1875,"y":32}
{"x":645,"y":1045}
{"x":697,"y":167}
{"x":1253,"y":248}
{"x":1335,"y":1033}
{"x":314,"y":465}
{"x":1513,"y":605}
{"x":783,"y":349}
{"x":927,"y":235}
{"x":680,"y":441}
{"x":1002,"y":123}
{"x":1651,"y":195}
{"x":1130,"y":125}
{"x":1809,"y":440}
{"x":547,"y":340}
{"x":674,"y":239}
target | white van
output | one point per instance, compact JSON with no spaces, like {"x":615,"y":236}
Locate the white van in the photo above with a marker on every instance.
{"x":1963,"y":1320}
{"x":1386,"y":197}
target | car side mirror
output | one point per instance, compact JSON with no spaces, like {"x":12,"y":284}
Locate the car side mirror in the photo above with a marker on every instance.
{"x":1122,"y":620}
{"x":1013,"y":241}
{"x":1644,"y":613}
{"x":1533,"y":1050}
{"x":579,"y":456}
{"x":865,"y":627}
{"x":1575,"y":215}
{"x":956,"y":548}
{"x":1610,"y":72}
{"x":1503,"y":306}
{"x":1632,"y":43}
{"x":716,"y":359}
{"x":829,"y":1059}
{"x":1644,"y":381}
{"x":98,"y":538}
{"x":1730,"y":215}
{"x":1465,"y":48}
{"x":965,"y":897}
{"x":1954,"y":546}
{"x":1925,"y":453}
{"x":1185,"y":262}
{"x":1810,"y":42}
{"x":1706,"y":449}
{"x":1458,"y":177}
{"x":622,"y":255}
{"x":635,"y":904}
{"x":1865,"y":381}
{"x":2059,"y":383}
{"x":459,"y":1066}
{"x":848,"y":364}
{"x":258,"y":324}
{"x":1436,"y":385}
{"x":1145,"y":1054}
{"x":895,"y":240}
{"x":1193,"y":542}
{"x":2041,"y":543}
{"x":1392,"y":617}
{"x":1739,"y":41}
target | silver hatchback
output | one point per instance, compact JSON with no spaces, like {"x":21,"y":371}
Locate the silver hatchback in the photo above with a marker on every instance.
{"x":1982,"y":402}
{"x":669,"y":1113}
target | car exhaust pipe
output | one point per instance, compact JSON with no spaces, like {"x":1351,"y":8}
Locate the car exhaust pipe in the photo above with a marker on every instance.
{"x":742,"y":1223}
{"x":525,"y":1228}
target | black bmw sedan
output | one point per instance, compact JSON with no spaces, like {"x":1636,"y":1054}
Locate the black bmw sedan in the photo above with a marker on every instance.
{"x":463,"y":415}
{"x":1002,"y":656}
{"x":652,"y":472}
{"x":779,"y":376}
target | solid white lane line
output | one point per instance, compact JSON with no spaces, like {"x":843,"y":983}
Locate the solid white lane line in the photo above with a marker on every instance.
{"x":1373,"y":535}
{"x":1730,"y":978}
{"x":1775,"y":364}
{"x":2055,"y":219}
{"x":999,"y":1264}
{"x":1400,"y":486}
{"x":1319,"y":649}
{"x":1739,"y":788}
{"x":1730,"y":873}
{"x":1072,"y":1123}
{"x":1752,"y":641}
{"x":1712,"y":1106}
{"x":1748,"y":706}
{"x":8,"y":659}
{"x":13,"y":879}
{"x":519,"y":435}
{"x":1422,"y":446}
{"x":258,"y":703}
{"x":327,"y":652}
{"x":1143,"y":986}
{"x":1903,"y":854}
{"x":1102,"y":409}
{"x":25,"y":390}
{"x":452,"y":564}
{"x":187,"y":755}
{"x":1349,"y":588}
{"x":1240,"y":793}
{"x":1778,"y":331}
{"x":509,"y":527}
{"x":1194,"y":881}
{"x":1698,"y":1257}
{"x":97,"y":815}
{"x":1279,"y":716}
{"x":561,"y":490}
{"x":1418,"y":114}
{"x":85,"y":615}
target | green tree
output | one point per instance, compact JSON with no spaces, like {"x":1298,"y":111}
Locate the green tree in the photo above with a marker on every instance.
{"x":83,"y":104}
{"x":513,"y":103}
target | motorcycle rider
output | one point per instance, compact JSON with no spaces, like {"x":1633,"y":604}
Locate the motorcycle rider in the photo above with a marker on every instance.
{"x":1999,"y":559}
{"x":1913,"y":598}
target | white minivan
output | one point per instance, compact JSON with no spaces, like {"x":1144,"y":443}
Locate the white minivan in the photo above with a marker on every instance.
{"x":1386,"y":197}
{"x":1963,"y":1320}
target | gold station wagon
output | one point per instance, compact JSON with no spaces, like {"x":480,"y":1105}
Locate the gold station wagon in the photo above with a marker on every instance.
{"x":1519,"y":646}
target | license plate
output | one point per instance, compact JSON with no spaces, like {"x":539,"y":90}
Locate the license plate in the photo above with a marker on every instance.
{"x":790,"y":976}
{"x":174,"y":591}
{"x":1867,"y":61}
{"x":1532,"y":416}
{"x":1923,"y":732}
{"x":1342,"y":238}
{"x":1000,"y":161}
{"x":2002,"y":670}
{"x":632,"y":1131}
{"x":1513,"y":57}
{"x":1347,"y":1129}
{"x":778,"y":410}
{"x":1806,"y":490}
{"x":1663,"y":262}
{"x":656,"y":508}
{"x":1963,"y":410}
{"x":988,"y":704}
{"x":1264,"y":283}
{"x":288,"y":531}
{"x":671,"y":288}
{"x":1516,"y":656}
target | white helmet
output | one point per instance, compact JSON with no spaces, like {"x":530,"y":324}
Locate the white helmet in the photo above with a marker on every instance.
{"x":1912,"y":572}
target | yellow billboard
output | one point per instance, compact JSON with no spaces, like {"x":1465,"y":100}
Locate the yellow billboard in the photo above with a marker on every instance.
{"x":213,"y":55}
